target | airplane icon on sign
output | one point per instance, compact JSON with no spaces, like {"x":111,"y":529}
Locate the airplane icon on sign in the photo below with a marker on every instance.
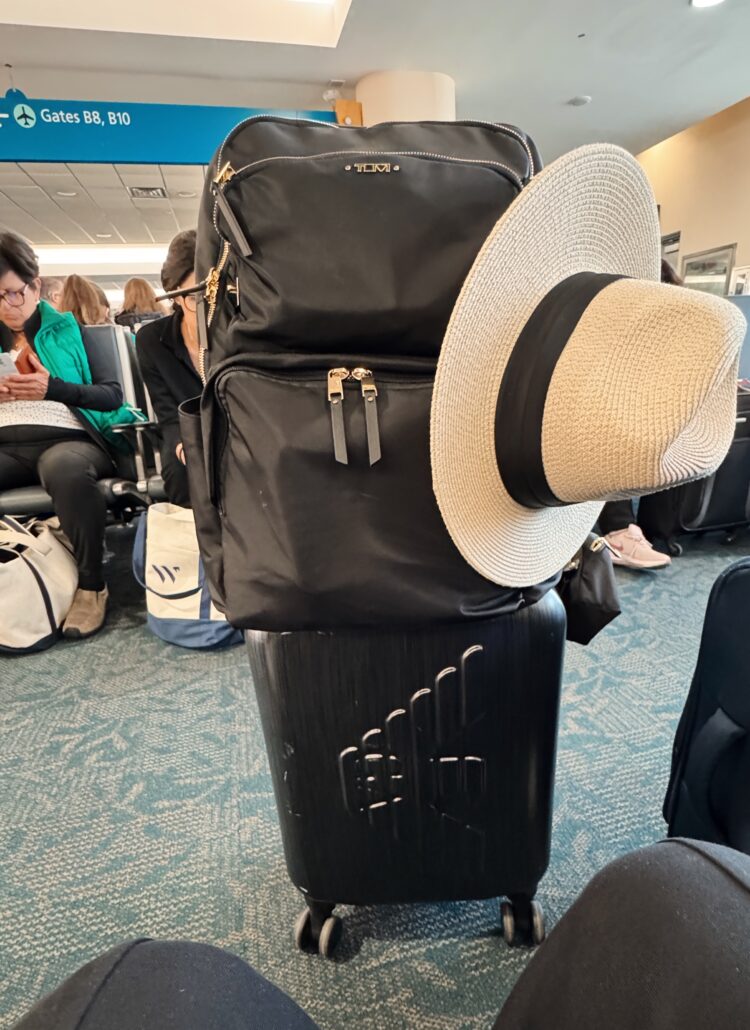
{"x":24,"y":116}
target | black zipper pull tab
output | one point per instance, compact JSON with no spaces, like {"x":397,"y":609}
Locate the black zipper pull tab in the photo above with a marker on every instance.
{"x":336,"y":378}
{"x":369,"y":394}
{"x":224,"y":176}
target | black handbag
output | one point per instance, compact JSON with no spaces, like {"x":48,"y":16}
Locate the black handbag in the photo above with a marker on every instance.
{"x":588,"y":589}
{"x":320,"y":511}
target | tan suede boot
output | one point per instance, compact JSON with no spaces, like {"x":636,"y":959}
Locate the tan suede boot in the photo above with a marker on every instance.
{"x":86,"y":615}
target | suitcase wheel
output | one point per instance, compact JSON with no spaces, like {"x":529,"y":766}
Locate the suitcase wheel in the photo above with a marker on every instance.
{"x":325,"y":938}
{"x":330,"y":936}
{"x":538,"y":926}
{"x":509,"y":922}
{"x":303,"y":932}
{"x":674,"y":549}
{"x":523,"y":922}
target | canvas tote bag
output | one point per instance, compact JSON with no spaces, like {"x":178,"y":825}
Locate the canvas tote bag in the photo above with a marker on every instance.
{"x":167,"y":563}
{"x":38,"y":580}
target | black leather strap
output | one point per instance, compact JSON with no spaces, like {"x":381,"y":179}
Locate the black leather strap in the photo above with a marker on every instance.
{"x":523,"y":391}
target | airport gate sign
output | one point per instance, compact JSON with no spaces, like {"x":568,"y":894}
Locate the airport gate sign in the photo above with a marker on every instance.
{"x":115,"y":133}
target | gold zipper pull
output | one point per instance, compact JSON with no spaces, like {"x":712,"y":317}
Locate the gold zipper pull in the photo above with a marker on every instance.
{"x":225,"y":173}
{"x":212,"y":286}
{"x":336,"y":378}
{"x":369,"y":394}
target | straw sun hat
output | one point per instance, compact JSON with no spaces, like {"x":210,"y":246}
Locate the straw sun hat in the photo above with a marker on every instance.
{"x":569,"y":375}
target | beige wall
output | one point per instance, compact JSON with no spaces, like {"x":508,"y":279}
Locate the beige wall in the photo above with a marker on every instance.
{"x":701,"y":178}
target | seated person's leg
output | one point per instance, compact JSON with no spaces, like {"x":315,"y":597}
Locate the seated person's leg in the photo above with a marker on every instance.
{"x":659,"y":940}
{"x":166,"y":985}
{"x":15,"y":470}
{"x":69,"y":472}
{"x":616,"y":515}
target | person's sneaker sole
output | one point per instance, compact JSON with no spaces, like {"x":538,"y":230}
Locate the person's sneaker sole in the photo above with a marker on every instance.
{"x":629,"y":563}
{"x":75,"y":634}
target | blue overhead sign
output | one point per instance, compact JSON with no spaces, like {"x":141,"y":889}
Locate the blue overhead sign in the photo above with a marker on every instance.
{"x":113,"y":133}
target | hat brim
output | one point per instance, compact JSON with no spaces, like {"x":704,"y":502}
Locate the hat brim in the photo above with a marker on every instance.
{"x":592,"y":210}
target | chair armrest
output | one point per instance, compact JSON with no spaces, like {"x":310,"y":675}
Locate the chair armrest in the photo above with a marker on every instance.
{"x":131,"y":430}
{"x":126,"y":488}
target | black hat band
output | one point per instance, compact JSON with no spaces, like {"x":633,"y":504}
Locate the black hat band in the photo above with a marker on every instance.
{"x":519,"y":412}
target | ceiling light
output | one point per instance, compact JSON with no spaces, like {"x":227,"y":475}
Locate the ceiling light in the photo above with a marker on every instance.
{"x":123,"y":256}
{"x":186,"y":195}
{"x":104,"y":236}
{"x":67,"y":193}
{"x":706,"y":3}
{"x":322,"y":3}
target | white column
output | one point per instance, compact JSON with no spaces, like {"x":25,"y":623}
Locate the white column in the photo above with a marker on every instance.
{"x":407,"y":97}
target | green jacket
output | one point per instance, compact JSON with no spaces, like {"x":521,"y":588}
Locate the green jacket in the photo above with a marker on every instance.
{"x":60,"y":348}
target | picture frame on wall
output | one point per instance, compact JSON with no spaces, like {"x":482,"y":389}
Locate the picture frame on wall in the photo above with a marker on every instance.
{"x":710,"y":270}
{"x":740,"y":281}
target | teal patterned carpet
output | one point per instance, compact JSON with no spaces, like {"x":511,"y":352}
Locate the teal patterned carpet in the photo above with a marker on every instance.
{"x":135,"y":799}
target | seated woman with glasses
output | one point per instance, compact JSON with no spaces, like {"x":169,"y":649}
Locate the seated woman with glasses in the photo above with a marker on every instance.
{"x":58,"y":404}
{"x":168,"y":355}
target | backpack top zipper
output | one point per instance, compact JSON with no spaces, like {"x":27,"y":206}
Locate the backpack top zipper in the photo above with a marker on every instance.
{"x":227,"y":173}
{"x":509,"y":130}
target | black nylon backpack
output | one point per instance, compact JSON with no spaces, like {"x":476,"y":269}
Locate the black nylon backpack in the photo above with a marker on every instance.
{"x":320,"y":238}
{"x":333,"y":257}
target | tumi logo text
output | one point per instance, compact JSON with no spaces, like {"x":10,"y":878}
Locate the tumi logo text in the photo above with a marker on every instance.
{"x":373,"y":168}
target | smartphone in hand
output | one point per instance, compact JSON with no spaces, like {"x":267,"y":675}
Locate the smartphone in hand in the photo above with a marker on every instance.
{"x":7,"y":365}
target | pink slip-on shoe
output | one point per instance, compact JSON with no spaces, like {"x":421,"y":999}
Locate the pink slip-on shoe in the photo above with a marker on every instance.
{"x":630,"y":548}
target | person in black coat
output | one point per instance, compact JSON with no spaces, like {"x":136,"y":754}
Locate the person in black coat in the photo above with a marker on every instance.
{"x":168,"y":355}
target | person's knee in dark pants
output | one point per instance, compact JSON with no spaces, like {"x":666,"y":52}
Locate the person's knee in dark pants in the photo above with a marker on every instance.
{"x":167,"y":985}
{"x":657,"y":941}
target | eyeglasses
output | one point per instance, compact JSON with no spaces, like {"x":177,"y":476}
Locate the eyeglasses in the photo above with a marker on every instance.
{"x":190,"y":302}
{"x":14,"y":298}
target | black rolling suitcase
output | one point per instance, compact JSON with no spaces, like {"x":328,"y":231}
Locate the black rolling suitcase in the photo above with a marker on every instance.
{"x":722,"y":501}
{"x":708,"y":797}
{"x":414,"y":765}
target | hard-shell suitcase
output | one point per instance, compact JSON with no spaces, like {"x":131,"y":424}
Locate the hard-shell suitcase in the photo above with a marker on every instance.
{"x":708,"y":796}
{"x":722,"y":501}
{"x":414,"y":765}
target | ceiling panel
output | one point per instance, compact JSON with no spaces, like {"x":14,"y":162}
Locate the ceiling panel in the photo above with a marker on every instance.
{"x":44,"y":167}
{"x":140,"y":175}
{"x":12,"y":174}
{"x":15,"y":218}
{"x":102,"y":210}
{"x":131,"y":228}
{"x":96,"y":176}
{"x":44,"y":209}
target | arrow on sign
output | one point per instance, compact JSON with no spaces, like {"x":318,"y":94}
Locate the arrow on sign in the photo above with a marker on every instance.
{"x":1,"y":117}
